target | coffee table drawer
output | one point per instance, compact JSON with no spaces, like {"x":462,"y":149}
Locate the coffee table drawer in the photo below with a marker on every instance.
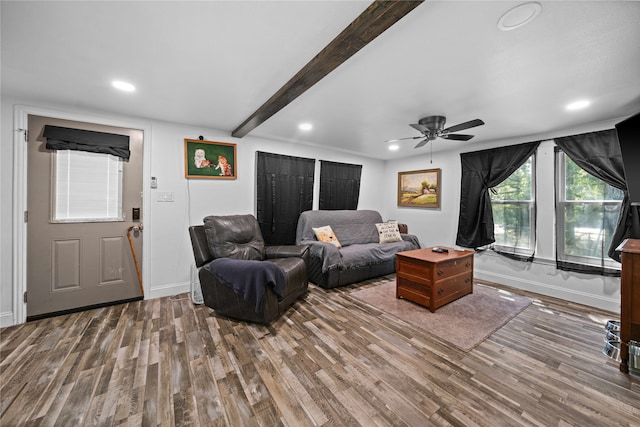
{"x":414,"y":291}
{"x":454,"y":267}
{"x":452,"y":288}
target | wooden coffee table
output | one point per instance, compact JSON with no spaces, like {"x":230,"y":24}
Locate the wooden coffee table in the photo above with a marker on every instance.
{"x":434,"y":279}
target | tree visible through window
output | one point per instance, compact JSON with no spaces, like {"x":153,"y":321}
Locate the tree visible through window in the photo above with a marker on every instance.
{"x":586,"y":216}
{"x":513,"y":204}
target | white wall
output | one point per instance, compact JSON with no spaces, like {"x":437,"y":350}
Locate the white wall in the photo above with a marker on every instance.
{"x":167,"y":248}
{"x":439,"y":226}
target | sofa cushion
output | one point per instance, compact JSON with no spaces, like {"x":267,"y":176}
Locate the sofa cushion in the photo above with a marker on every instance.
{"x":234,"y":236}
{"x":360,"y":255}
{"x":325,"y":234}
{"x":350,"y":226}
{"x":351,"y":234}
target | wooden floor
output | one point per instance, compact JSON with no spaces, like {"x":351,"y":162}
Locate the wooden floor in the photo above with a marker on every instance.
{"x":330,"y":361}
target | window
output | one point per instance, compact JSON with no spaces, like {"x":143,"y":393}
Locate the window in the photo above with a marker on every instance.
{"x":586,"y":216}
{"x":87,"y":187}
{"x":513,"y":205}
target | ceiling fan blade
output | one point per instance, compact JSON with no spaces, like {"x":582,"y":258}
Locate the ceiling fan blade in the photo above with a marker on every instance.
{"x":421,"y":143}
{"x":463,"y":126}
{"x":457,"y":136}
{"x":420,"y":128}
{"x":402,"y":139}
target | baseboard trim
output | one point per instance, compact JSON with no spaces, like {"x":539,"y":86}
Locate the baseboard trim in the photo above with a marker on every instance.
{"x":6,"y":319}
{"x":604,"y":303}
{"x":169,"y":290}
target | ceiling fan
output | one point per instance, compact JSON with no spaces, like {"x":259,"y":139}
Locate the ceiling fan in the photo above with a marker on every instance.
{"x":432,"y":128}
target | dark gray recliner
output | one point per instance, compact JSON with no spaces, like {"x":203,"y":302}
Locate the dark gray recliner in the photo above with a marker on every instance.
{"x":239,"y":237}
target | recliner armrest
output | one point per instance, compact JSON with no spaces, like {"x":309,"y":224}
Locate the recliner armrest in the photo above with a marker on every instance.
{"x":286,"y":251}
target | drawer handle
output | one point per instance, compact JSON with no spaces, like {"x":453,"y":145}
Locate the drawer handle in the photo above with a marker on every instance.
{"x":467,"y":280}
{"x":440,"y":291}
{"x":439,"y":272}
{"x":467,"y":264}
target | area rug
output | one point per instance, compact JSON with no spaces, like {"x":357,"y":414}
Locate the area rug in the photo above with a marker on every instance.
{"x":464,"y":323}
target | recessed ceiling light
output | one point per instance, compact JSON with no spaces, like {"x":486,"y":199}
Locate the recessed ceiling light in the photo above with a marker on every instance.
{"x":305,"y":126}
{"x":578,"y":105}
{"x":394,"y":147}
{"x":123,"y":86}
{"x":519,"y":16}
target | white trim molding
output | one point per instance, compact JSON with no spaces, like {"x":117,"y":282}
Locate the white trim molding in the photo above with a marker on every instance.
{"x":169,"y":290}
{"x":6,"y":319}
{"x":602,"y":302}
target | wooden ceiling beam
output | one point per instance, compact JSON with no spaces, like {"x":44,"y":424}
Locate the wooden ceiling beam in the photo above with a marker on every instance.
{"x":372,"y":22}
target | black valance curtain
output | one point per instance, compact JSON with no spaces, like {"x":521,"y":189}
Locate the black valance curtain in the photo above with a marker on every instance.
{"x":284,"y":189}
{"x":482,"y":170}
{"x":339,"y":185}
{"x":598,"y":153}
{"x":61,"y":138}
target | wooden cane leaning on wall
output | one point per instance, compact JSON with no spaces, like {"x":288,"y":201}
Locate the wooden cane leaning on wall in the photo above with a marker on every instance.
{"x":133,"y":252}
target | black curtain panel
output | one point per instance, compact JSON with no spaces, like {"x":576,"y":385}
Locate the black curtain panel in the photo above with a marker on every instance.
{"x":339,"y":185}
{"x":482,"y":170}
{"x":284,"y":190}
{"x":598,"y":153}
{"x":61,"y":138}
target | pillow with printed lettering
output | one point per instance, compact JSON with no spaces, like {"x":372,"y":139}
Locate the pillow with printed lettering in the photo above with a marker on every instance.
{"x":388,"y":232}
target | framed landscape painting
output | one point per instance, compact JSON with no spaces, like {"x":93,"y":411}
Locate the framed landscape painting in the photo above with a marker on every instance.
{"x":419,"y":189}
{"x":209,"y":159}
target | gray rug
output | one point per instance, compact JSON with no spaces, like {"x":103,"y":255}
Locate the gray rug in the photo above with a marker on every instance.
{"x":464,"y":323}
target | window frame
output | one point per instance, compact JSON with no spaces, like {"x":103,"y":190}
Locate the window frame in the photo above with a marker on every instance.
{"x":520,"y":250}
{"x":54,"y":219}
{"x":560,"y":231}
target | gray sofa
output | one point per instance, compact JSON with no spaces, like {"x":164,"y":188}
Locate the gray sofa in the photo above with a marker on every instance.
{"x":361,"y":256}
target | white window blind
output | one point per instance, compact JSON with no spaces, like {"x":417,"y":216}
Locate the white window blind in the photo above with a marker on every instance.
{"x":87,"y":187}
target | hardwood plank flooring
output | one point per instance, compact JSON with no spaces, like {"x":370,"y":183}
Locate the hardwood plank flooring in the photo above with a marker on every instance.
{"x":331,"y":360}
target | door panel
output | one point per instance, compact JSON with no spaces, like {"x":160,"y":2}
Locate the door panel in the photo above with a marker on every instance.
{"x":65,"y":264}
{"x":112,"y":257}
{"x":71,"y":265}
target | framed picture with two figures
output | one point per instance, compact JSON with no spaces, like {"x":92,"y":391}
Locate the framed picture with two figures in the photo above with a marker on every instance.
{"x":209,"y":159}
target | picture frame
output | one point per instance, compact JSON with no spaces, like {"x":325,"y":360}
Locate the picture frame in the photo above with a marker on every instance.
{"x":210,"y":159}
{"x":419,"y":189}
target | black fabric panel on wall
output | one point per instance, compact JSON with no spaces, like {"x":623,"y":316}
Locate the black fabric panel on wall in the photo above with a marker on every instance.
{"x":482,"y":170}
{"x":61,"y":138}
{"x":339,"y":185}
{"x":284,"y":189}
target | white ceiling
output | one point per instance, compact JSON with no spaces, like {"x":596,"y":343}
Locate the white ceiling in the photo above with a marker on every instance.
{"x":213,"y":63}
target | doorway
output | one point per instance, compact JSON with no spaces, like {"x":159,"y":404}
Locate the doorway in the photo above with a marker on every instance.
{"x":84,"y":237}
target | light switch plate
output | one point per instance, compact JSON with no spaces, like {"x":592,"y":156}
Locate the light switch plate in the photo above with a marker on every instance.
{"x":165,"y":196}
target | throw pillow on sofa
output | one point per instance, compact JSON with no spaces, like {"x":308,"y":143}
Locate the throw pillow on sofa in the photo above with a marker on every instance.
{"x":388,"y":232}
{"x":326,"y":234}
